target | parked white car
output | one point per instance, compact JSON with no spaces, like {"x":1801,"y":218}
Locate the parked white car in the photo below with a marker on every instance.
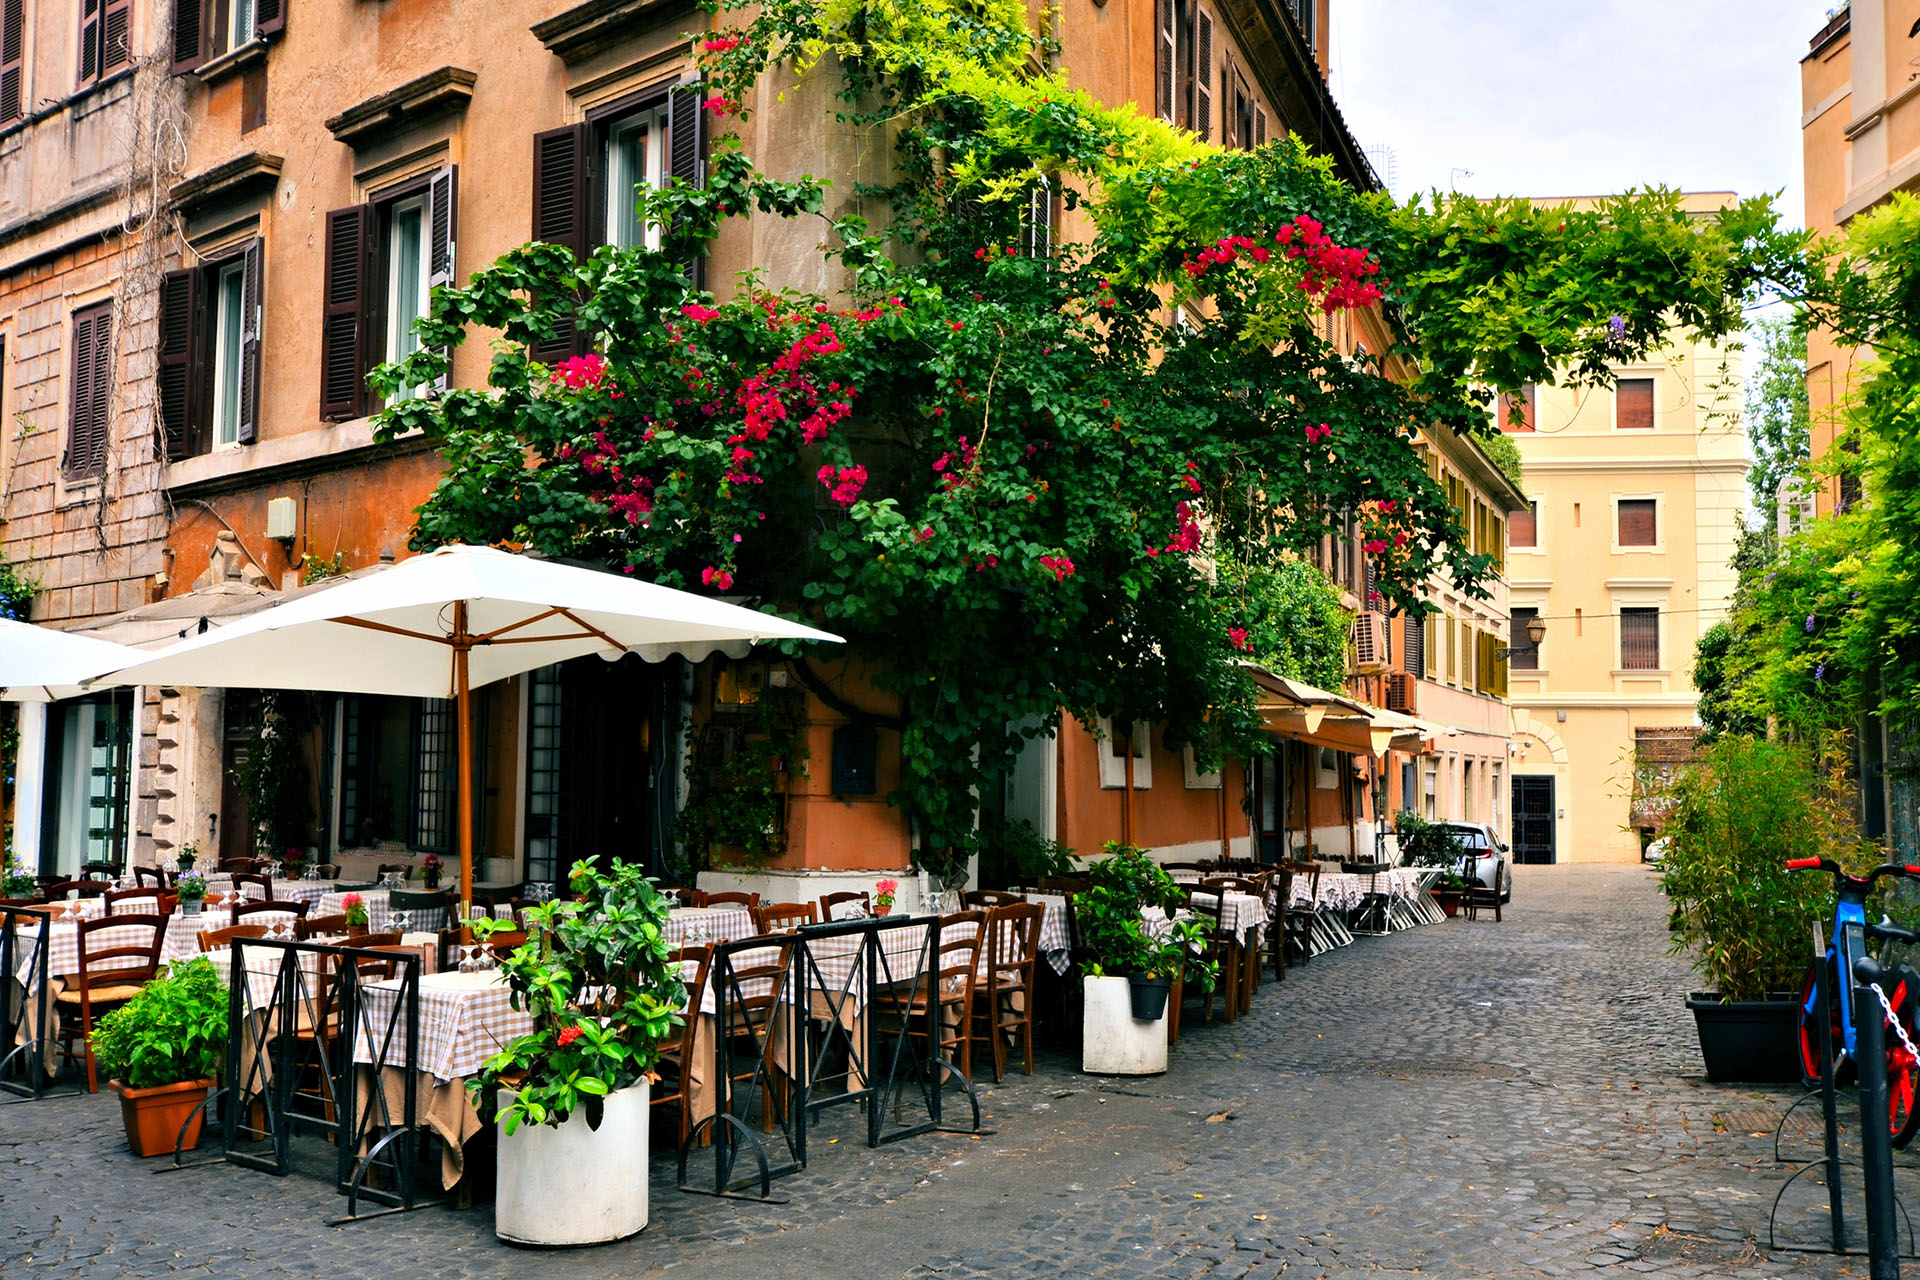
{"x":1488,"y":860}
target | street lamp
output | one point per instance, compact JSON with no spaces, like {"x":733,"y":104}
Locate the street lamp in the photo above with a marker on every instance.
{"x":1536,"y":632}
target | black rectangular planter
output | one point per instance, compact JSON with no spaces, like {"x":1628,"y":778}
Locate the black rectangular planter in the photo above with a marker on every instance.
{"x":1748,"y":1041}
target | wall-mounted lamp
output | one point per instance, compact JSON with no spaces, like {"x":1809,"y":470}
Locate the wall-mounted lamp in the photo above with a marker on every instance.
{"x":1536,"y":632}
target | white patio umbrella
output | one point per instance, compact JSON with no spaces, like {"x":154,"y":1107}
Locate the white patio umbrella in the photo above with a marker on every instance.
{"x":436,"y":625}
{"x":41,"y":664}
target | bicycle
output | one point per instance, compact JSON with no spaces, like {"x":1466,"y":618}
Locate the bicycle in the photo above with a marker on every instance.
{"x":1851,"y":931}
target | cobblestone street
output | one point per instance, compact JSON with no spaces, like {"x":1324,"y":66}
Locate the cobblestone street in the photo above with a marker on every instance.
{"x":1471,"y":1099}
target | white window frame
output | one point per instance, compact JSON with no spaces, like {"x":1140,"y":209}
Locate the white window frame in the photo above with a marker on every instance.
{"x":1191,"y":775}
{"x":401,"y":339}
{"x":1325,"y":778}
{"x":1625,"y":598}
{"x":1659,"y":501}
{"x":239,"y":32}
{"x":651,"y":123}
{"x":1113,"y":768}
{"x":228,"y":320}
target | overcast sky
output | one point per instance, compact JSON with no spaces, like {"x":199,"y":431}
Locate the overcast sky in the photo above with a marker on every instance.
{"x":1578,"y":97}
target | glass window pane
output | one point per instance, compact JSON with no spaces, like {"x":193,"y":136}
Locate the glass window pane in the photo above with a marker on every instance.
{"x":406,"y":282}
{"x":626,"y":171}
{"x":242,"y":24}
{"x":226,"y":358}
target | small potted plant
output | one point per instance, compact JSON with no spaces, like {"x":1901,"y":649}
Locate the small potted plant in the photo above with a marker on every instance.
{"x":1129,"y":965}
{"x":191,"y":889}
{"x":162,"y":1051}
{"x":570,"y":1097}
{"x":354,"y":907}
{"x":188,"y":855}
{"x":883,"y":891}
{"x":430,"y":867}
{"x":292,"y":862}
{"x":1433,"y":846}
{"x":17,"y":882}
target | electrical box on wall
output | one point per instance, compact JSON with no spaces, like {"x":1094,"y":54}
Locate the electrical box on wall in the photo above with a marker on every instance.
{"x":855,"y":760}
{"x":281,"y":515}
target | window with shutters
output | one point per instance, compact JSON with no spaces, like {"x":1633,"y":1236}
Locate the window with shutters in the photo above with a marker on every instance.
{"x":1184,"y":69}
{"x":1523,"y":527}
{"x":90,"y":386}
{"x":1413,"y":647}
{"x":587,"y":178}
{"x":209,"y":357}
{"x":1036,"y":225}
{"x":13,"y":63}
{"x":1639,"y":523}
{"x":1523,"y":658}
{"x":383,"y":260}
{"x":104,"y":30}
{"x":1633,"y":404}
{"x":207,"y":29}
{"x":1639,"y":639}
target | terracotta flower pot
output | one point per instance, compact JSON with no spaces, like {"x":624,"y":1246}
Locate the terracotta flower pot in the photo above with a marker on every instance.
{"x":881,"y":909}
{"x":356,"y":931}
{"x":153,"y":1116}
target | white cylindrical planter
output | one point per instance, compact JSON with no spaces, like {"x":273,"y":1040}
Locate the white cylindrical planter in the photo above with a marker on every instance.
{"x":575,"y":1185}
{"x":1112,"y":1041}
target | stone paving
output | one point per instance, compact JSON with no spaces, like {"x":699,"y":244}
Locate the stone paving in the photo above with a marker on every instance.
{"x":1468,"y":1100}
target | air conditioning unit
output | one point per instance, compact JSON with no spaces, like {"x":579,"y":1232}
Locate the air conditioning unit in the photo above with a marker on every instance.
{"x":1369,"y":643}
{"x":1402,"y":691}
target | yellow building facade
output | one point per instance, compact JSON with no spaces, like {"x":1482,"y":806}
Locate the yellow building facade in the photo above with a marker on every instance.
{"x":1635,"y":494}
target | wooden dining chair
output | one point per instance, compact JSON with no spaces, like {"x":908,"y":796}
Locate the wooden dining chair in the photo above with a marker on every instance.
{"x":1004,"y":1004}
{"x":154,"y":876}
{"x":404,"y":868}
{"x":212,"y":940}
{"x":504,"y":942}
{"x":1301,"y":921}
{"x":254,"y":878}
{"x":80,"y":888}
{"x":135,"y":902}
{"x":1222,"y":949}
{"x":675,"y":1066}
{"x":239,"y":864}
{"x":784,"y":917}
{"x":731,"y":899}
{"x":327,"y":870}
{"x":107,"y":974}
{"x":828,"y":901}
{"x":987,"y":898}
{"x":947,"y":990}
{"x":332,"y":926}
{"x":423,"y":912}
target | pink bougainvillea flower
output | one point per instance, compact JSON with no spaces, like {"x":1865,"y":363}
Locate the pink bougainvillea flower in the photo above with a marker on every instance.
{"x":1374,"y":546}
{"x":1237,"y":636}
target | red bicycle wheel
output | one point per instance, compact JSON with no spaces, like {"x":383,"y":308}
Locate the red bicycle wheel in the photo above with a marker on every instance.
{"x":1810,"y":1029}
{"x":1903,"y":1070}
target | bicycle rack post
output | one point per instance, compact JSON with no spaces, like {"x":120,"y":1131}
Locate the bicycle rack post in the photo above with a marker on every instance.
{"x":1829,"y":1103}
{"x":1883,"y":1241}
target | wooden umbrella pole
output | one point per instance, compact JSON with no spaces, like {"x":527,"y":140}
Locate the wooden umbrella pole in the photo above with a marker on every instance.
{"x":463,"y":717}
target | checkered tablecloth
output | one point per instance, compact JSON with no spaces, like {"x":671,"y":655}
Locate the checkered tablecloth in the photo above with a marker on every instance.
{"x":1056,"y":939}
{"x":1243,"y":916}
{"x":181,"y":942}
{"x":221,"y":882}
{"x":691,"y":926}
{"x":1338,"y":891}
{"x":465,"y":1018}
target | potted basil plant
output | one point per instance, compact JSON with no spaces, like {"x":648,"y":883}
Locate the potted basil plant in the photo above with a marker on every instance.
{"x":1129,"y":964}
{"x":570,"y":1097}
{"x":161,"y":1051}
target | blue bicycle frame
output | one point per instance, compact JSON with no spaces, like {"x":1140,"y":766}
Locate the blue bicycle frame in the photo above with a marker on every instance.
{"x":1847,"y":945}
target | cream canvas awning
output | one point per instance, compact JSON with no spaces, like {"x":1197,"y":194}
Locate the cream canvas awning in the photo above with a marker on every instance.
{"x":1299,"y":711}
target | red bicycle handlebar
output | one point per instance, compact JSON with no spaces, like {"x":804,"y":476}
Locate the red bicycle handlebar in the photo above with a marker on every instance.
{"x":1803,"y":864}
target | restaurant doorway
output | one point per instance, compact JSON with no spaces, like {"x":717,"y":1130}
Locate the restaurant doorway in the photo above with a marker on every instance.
{"x":83,"y":816}
{"x":600,"y":781}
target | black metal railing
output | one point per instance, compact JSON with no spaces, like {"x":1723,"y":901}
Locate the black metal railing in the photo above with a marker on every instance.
{"x":26,"y":1003}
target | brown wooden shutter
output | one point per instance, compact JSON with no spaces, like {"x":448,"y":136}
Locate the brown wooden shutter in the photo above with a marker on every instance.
{"x":269,"y":17}
{"x":1639,"y":522}
{"x":1229,"y":124}
{"x":1259,"y":127}
{"x":189,"y":33}
{"x":1163,"y":40}
{"x":91,"y":385}
{"x":686,"y":147}
{"x":560,"y":213}
{"x":13,"y":37}
{"x":443,"y":210}
{"x":1203,"y":75}
{"x":1634,"y":404}
{"x":1640,"y":639}
{"x":343,"y":389}
{"x":90,"y":41}
{"x":1413,"y":645}
{"x":116,"y":36}
{"x":247,"y":428}
{"x":1523,"y":527}
{"x":180,"y":302}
